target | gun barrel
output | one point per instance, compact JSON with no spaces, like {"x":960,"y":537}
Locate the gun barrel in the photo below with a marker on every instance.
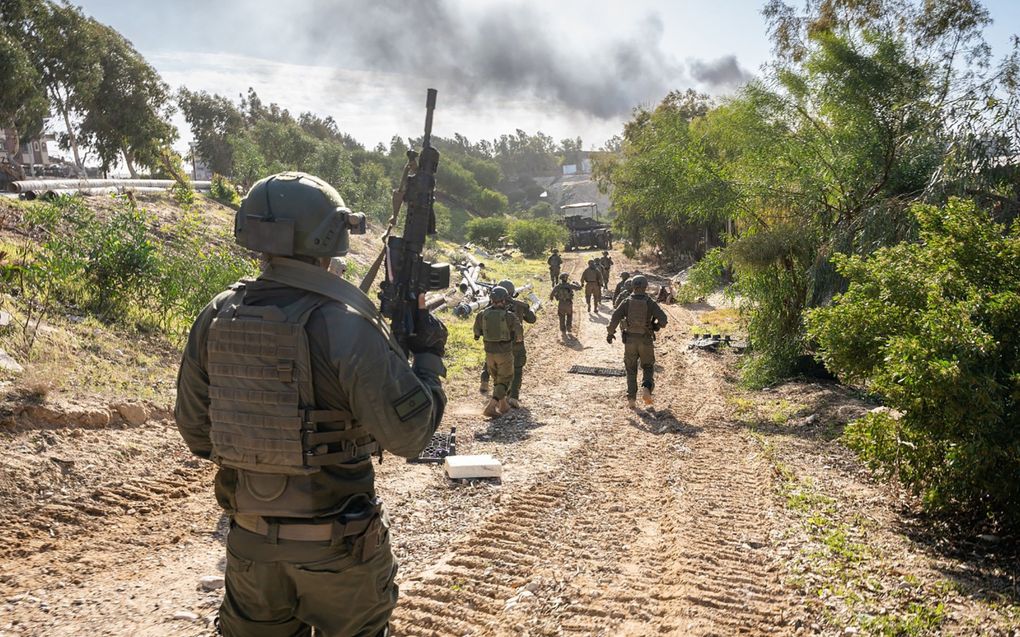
{"x":430,"y":107}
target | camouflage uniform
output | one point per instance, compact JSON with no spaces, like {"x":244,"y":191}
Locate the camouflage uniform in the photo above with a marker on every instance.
{"x":641,"y":317}
{"x":524,"y":315}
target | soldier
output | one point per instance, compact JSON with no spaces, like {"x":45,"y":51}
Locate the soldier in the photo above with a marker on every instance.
{"x":606,"y":262}
{"x":563,"y":293}
{"x":500,"y":329}
{"x":592,"y":280}
{"x":628,"y":288}
{"x":554,"y":261}
{"x":289,"y":382}
{"x":641,"y":318}
{"x":525,"y":315}
{"x":619,"y":286}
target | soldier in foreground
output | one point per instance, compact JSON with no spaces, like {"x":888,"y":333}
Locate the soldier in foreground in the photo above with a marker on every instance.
{"x":524,"y":313}
{"x":592,"y":280}
{"x":289,"y":383}
{"x":563,"y":294}
{"x":606,"y":262}
{"x":619,"y":286}
{"x":498,"y":327}
{"x":555,"y":261}
{"x":641,"y":318}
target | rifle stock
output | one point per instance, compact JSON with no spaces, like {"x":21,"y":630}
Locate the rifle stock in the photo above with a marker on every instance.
{"x":408,"y":275}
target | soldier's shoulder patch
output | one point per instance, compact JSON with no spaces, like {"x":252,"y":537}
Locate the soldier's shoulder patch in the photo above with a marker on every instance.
{"x":411,"y":404}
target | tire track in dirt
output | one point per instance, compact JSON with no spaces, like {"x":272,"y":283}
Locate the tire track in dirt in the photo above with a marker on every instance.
{"x":655,"y":523}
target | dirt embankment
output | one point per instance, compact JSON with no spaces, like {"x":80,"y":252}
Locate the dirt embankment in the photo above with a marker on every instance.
{"x":674,"y":521}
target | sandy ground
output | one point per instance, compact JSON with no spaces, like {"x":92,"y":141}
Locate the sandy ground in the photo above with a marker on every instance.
{"x":607,"y":521}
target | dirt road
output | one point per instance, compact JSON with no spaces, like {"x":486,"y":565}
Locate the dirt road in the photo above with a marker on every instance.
{"x":607,"y":521}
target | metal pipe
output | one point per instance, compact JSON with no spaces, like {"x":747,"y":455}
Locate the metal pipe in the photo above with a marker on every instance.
{"x":102,"y":190}
{"x":85,"y":184}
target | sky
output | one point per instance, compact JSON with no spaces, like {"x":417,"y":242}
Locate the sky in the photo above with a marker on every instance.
{"x":568,"y":68}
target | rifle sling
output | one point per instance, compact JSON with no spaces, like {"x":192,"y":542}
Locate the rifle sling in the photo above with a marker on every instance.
{"x":311,"y":278}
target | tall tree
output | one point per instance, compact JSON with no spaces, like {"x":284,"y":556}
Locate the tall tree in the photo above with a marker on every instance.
{"x":23,"y":105}
{"x":213,"y":120}
{"x":128,"y":113}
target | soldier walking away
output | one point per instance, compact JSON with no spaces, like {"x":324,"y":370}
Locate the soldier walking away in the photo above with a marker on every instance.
{"x":592,"y":280}
{"x":525,"y":315}
{"x":628,"y":288}
{"x":498,"y":327}
{"x":619,"y":286}
{"x":563,"y":294}
{"x":641,"y":318}
{"x":606,"y":262}
{"x":555,"y":261}
{"x":289,"y":382}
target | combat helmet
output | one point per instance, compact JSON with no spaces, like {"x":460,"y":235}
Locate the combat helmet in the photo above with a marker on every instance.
{"x":498,"y":294}
{"x":508,"y":285}
{"x":564,"y":277}
{"x":605,"y":253}
{"x":625,"y":275}
{"x":296,"y":214}
{"x":639,"y":283}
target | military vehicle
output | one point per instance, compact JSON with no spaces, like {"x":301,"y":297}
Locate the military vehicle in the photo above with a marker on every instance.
{"x":586,"y":231}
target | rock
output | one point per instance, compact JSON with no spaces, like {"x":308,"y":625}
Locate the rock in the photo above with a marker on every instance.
{"x":532,"y":587}
{"x":5,"y":318}
{"x":186,"y":615}
{"x":9,"y":364}
{"x":133,"y":413}
{"x":211,"y":582}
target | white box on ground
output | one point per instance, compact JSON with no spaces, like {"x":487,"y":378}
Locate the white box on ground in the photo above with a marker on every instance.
{"x":483,"y":466}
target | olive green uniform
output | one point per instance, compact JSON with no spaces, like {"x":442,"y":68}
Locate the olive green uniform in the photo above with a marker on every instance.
{"x":555,"y":261}
{"x":280,"y":581}
{"x":563,"y":294}
{"x":641,"y":317}
{"x":607,"y":265}
{"x":499,"y":347}
{"x":592,"y":279}
{"x":618,"y":289}
{"x":525,"y":315}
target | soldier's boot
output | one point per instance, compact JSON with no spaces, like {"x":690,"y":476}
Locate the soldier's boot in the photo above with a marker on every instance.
{"x":646,"y":395}
{"x":491,"y":409}
{"x":513,"y":402}
{"x":503,"y":406}
{"x":631,"y":403}
{"x":484,"y":387}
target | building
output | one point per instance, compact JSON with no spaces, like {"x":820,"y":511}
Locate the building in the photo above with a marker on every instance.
{"x":33,"y":155}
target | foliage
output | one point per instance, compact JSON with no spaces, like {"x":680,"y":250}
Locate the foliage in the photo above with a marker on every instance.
{"x":704,"y":277}
{"x":223,"y":191}
{"x":931,"y":327}
{"x":115,"y":268}
{"x":213,"y":120}
{"x":22,"y":102}
{"x":488,"y":232}
{"x":533,"y":237}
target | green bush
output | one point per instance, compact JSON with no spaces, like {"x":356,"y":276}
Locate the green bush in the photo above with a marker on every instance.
{"x":533,"y":237}
{"x":931,"y":326}
{"x":487,"y":231}
{"x":703,"y":277}
{"x":115,"y":269}
{"x":223,"y":191}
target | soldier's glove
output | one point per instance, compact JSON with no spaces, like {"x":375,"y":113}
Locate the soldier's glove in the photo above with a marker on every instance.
{"x":610,"y":338}
{"x":431,"y":337}
{"x":656,"y":327}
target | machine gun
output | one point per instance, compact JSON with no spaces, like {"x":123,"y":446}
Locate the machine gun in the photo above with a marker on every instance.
{"x":408,"y":275}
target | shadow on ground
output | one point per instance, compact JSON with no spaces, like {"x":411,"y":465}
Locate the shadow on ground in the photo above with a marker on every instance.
{"x":510,"y":428}
{"x":659,"y":422}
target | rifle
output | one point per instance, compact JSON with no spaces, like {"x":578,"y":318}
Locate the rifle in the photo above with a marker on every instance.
{"x":408,"y":275}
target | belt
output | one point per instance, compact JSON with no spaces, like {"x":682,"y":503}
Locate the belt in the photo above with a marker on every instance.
{"x":322,"y":532}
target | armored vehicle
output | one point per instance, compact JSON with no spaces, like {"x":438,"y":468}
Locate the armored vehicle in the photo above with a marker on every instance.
{"x":585,"y":230}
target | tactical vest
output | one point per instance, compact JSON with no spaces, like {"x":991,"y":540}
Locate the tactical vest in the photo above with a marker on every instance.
{"x":590,"y":275}
{"x":262,"y":398}
{"x":563,"y":293}
{"x":495,"y":327}
{"x":638,"y":316}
